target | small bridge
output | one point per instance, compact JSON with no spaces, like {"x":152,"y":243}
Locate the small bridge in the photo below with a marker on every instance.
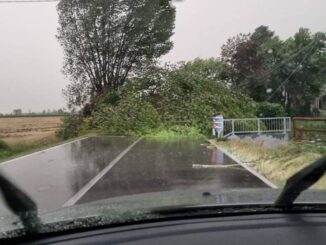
{"x":257,"y":125}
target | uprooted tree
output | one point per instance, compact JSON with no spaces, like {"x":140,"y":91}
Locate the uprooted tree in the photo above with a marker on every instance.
{"x":105,"y":41}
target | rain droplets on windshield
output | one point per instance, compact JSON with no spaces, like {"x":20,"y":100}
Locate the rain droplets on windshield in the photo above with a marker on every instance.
{"x":110,"y":109}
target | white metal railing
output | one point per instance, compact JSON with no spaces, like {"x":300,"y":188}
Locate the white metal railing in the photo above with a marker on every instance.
{"x":257,"y":125}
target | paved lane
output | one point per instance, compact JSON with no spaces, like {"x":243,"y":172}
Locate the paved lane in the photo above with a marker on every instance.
{"x":52,"y":176}
{"x":161,"y":165}
{"x":118,"y":166}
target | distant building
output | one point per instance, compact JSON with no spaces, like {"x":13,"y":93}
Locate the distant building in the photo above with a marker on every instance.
{"x":17,"y":112}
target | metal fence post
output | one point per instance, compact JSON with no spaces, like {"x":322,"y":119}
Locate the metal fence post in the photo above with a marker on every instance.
{"x":294,"y":128}
{"x":284,"y":125}
{"x":232,"y":126}
{"x":258,"y":122}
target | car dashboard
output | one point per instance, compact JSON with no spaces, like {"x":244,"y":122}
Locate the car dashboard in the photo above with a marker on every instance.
{"x":254,"y":229}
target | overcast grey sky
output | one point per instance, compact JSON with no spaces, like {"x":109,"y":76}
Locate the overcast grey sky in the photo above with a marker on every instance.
{"x":31,"y":58}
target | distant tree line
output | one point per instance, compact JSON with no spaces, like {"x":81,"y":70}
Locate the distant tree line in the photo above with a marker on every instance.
{"x":20,"y":113}
{"x":291,"y":72}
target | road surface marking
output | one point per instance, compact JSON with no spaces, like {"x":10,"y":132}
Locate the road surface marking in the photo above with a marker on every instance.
{"x":73,"y":200}
{"x":215,"y":166}
{"x":42,"y":151}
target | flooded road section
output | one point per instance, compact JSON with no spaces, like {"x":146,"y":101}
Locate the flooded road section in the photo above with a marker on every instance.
{"x":161,"y":165}
{"x":102,"y":167}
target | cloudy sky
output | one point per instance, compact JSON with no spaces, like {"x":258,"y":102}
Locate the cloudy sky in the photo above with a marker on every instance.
{"x":31,"y":58}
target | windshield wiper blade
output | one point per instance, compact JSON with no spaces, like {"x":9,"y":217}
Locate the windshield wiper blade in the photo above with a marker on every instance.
{"x":20,"y":204}
{"x":300,"y":182}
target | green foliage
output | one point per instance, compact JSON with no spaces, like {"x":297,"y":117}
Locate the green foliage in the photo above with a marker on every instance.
{"x":290,"y":72}
{"x":250,"y":70}
{"x":133,"y":116}
{"x":5,"y":154}
{"x":310,"y":73}
{"x":166,"y":97}
{"x":72,"y":124}
{"x":316,"y":148}
{"x":105,"y":40}
{"x":192,"y":92}
{"x":110,"y":98}
{"x":13,"y":150}
{"x":3,"y":146}
{"x":176,"y":131}
{"x":6,"y":151}
{"x":211,"y":68}
{"x":266,"y":109}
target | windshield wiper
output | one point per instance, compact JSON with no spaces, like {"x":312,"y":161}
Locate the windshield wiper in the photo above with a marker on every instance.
{"x":20,"y":204}
{"x":300,"y":182}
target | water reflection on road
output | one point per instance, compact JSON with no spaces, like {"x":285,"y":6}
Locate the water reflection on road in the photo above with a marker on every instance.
{"x":53,"y":176}
{"x":161,"y":165}
{"x":219,"y":158}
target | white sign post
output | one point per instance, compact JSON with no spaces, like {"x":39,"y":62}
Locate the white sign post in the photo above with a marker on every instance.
{"x":218,"y":126}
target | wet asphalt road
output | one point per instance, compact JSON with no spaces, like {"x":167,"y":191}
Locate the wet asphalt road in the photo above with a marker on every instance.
{"x":54,"y":176}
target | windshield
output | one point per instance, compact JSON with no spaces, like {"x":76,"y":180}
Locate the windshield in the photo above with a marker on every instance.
{"x":112,"y":109}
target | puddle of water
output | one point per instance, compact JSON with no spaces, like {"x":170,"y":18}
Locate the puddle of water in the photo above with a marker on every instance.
{"x":219,"y":158}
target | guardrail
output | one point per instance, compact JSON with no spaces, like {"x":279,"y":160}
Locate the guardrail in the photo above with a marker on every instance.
{"x":257,"y":125}
{"x":309,"y":128}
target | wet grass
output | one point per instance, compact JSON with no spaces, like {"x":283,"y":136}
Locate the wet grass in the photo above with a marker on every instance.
{"x":175,"y":132}
{"x":164,"y":132}
{"x":22,"y":135}
{"x":24,"y":147}
{"x":277,"y":164}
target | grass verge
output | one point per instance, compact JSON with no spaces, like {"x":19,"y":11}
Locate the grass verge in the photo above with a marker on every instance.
{"x":176,"y":132}
{"x":23,"y":148}
{"x":279,"y":164}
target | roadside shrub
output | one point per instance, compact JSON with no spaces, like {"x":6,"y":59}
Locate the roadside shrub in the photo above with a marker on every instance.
{"x":133,"y":116}
{"x":4,"y":146}
{"x":231,"y":105}
{"x":72,"y":124}
{"x":177,"y":131}
{"x":266,"y":109}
